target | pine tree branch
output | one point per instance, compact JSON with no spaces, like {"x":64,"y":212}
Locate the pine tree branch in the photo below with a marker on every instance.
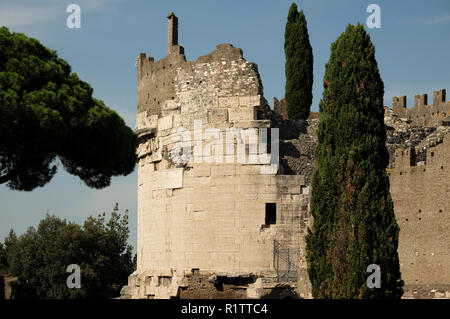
{"x":5,"y":178}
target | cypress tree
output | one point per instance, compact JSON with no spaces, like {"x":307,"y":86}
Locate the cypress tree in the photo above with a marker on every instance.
{"x":354,"y":223}
{"x":299,"y":65}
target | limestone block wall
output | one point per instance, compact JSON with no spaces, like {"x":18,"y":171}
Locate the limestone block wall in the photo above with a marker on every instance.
{"x":421,"y":195}
{"x":218,"y":204}
{"x":212,"y":218}
{"x":422,"y":113}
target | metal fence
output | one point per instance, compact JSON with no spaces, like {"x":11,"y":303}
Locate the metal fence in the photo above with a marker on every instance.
{"x":285,"y":262}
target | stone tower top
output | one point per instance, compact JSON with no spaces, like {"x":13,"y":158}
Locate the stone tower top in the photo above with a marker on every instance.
{"x":172,"y":32}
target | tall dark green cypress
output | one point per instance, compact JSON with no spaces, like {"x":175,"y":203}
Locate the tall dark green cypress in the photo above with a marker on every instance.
{"x":354,"y":223}
{"x":299,"y":65}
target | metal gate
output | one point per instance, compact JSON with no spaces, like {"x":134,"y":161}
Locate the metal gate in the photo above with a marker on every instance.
{"x":285,"y":262}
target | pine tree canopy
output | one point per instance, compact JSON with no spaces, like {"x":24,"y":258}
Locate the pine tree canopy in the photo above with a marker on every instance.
{"x":46,"y":112}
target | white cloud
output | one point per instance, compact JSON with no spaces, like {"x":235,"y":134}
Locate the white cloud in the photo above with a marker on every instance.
{"x":441,"y":19}
{"x":427,"y":21}
{"x":16,"y":13}
{"x":21,"y":16}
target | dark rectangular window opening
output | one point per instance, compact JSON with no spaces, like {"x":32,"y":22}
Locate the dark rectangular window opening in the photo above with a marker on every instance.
{"x":271,"y":214}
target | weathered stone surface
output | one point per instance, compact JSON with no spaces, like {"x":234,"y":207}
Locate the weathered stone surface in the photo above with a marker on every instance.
{"x":420,"y":188}
{"x":421,"y":201}
{"x":422,"y":114}
{"x":202,"y":213}
{"x":280,"y":107}
{"x":200,"y":217}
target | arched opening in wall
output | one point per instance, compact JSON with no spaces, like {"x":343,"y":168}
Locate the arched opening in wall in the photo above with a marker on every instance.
{"x":271,"y":214}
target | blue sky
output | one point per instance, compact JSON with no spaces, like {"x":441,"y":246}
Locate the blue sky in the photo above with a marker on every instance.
{"x":412,"y":51}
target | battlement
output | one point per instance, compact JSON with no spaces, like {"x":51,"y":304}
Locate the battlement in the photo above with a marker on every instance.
{"x":411,"y":159}
{"x":419,"y":186}
{"x":280,"y":107}
{"x":220,"y":84}
{"x":422,"y":113}
{"x":173,"y":80}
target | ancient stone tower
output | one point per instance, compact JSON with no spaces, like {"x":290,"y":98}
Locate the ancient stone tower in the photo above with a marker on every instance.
{"x":213,"y":206}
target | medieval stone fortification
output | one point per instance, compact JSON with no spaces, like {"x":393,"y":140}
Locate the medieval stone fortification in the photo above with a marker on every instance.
{"x":216,"y":224}
{"x":420,"y":187}
{"x":422,"y":113}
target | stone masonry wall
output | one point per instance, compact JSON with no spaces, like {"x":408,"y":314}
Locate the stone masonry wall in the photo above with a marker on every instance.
{"x":280,"y":107}
{"x":202,"y":224}
{"x":421,"y":194}
{"x":211,"y":215}
{"x":422,"y":113}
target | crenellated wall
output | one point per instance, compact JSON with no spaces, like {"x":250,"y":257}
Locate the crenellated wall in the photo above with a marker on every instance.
{"x":421,"y":194}
{"x":156,"y":80}
{"x":422,"y":113}
{"x":280,"y":107}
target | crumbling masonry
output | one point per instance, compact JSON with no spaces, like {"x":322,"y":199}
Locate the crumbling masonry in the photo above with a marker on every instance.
{"x":237,"y":226}
{"x":235,"y":229}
